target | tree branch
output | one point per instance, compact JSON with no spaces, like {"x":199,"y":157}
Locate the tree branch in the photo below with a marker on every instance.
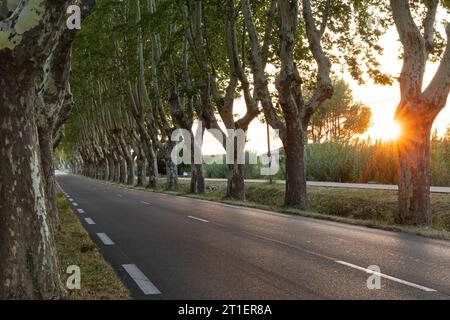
{"x":259,"y":78}
{"x":436,"y":94}
{"x":428,"y":24}
{"x":323,"y":25}
{"x":414,"y":60}
{"x":324,"y":88}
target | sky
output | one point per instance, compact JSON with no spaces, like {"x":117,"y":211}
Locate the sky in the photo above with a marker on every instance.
{"x":382,"y":100}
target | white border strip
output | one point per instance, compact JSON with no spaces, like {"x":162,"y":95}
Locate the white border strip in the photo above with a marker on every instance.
{"x":199,"y":219}
{"x":386,"y":276}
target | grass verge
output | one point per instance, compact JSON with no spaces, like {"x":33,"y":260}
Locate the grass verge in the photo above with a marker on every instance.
{"x":75,"y":247}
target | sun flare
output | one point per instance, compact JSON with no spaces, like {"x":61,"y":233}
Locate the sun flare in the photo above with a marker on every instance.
{"x":384,"y":130}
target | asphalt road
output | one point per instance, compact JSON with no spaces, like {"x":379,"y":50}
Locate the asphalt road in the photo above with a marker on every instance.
{"x":169,"y":247}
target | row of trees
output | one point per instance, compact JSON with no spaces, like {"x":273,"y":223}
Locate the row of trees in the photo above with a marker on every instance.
{"x":168,"y":64}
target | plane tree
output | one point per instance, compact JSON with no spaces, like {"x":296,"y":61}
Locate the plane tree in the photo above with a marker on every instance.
{"x":31,"y":31}
{"x":419,"y":105}
{"x":304,"y":49}
{"x":221,"y":58}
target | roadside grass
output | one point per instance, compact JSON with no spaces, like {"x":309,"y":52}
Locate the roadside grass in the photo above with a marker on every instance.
{"x":75,"y":247}
{"x":365,"y":207}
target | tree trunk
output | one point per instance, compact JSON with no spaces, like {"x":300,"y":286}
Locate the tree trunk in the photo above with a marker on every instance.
{"x":106,"y":166}
{"x":295,"y":167}
{"x":29,"y":268}
{"x":414,"y":173}
{"x":236,"y":182}
{"x":197,"y":179}
{"x":116,"y":171}
{"x":235,"y":179}
{"x":123,"y":171}
{"x":172,"y":176}
{"x":112,"y":169}
{"x":48,"y":172}
{"x":92,"y":170}
{"x":130,"y":170}
{"x":152,"y":170}
{"x":140,"y":170}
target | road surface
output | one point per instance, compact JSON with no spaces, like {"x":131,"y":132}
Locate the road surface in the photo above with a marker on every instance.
{"x":336,"y":184}
{"x":169,"y":247}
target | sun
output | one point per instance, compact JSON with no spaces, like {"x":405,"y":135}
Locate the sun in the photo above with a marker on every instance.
{"x":393,"y":131}
{"x":385,"y":130}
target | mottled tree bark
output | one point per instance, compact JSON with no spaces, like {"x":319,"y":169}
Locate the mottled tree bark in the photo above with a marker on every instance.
{"x":48,"y":173}
{"x":140,"y":161}
{"x":414,"y":171}
{"x":28,"y":259}
{"x":295,"y":195}
{"x":172,"y":175}
{"x":27,"y":252}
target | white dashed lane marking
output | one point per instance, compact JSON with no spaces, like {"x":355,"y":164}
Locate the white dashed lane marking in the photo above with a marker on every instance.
{"x":141,"y":280}
{"x":105,"y":239}
{"x":89,"y":221}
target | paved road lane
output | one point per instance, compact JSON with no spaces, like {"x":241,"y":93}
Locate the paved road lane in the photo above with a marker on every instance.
{"x":169,"y":247}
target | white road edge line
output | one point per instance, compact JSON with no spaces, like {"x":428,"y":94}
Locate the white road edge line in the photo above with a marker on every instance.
{"x":89,"y":221}
{"x":201,"y":200}
{"x":71,"y":200}
{"x":386,"y":276}
{"x":199,"y":219}
{"x":75,"y":204}
{"x":143,"y":202}
{"x":105,"y":239}
{"x":81,"y":211}
{"x":141,"y":280}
